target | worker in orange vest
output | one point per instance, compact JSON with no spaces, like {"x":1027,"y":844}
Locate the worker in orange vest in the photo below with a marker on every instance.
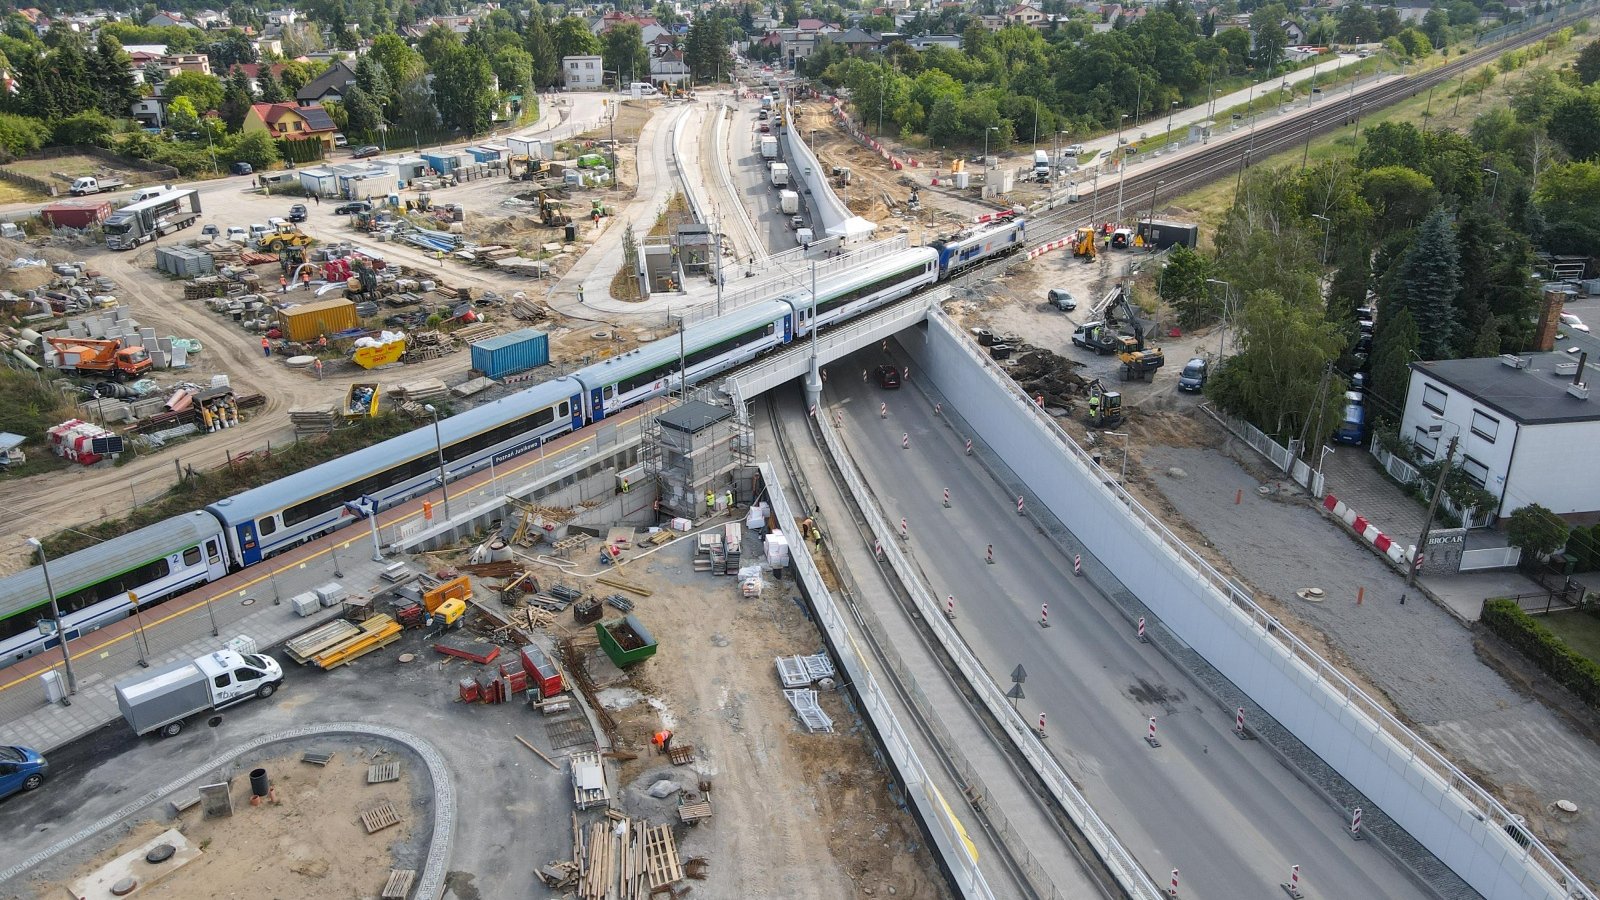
{"x":663,"y":741}
{"x":283,"y":285}
{"x":266,"y":347}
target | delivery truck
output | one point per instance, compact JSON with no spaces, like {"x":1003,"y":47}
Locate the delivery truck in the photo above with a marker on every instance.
{"x":789,"y":202}
{"x":769,"y":147}
{"x":780,"y":175}
{"x":137,"y":223}
{"x":161,"y":700}
{"x":83,"y":187}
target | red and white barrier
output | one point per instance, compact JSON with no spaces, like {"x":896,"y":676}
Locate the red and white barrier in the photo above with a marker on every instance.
{"x":1355,"y":824}
{"x":1173,"y":891}
{"x":1044,"y":615}
{"x":883,"y":410}
{"x":1077,"y":569}
{"x":1238,"y":722}
{"x":969,"y":446}
{"x":988,"y":555}
{"x":1019,"y":506}
{"x":950,"y":606}
{"x":1369,"y":532}
{"x":1292,"y":886}
{"x":1047,"y":247}
{"x":905,"y":440}
{"x":1142,"y":638}
{"x":1041,"y":724}
{"x":1150,"y":735}
{"x":946,"y":498}
{"x":903,"y":532}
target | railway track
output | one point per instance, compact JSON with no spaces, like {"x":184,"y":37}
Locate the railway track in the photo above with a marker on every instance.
{"x":1231,"y":154}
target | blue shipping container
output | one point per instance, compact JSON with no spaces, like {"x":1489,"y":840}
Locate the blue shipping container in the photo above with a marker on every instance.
{"x":508,"y":354}
{"x":441,"y":163}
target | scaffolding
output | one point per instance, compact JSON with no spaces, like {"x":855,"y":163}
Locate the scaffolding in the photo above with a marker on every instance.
{"x":693,"y":448}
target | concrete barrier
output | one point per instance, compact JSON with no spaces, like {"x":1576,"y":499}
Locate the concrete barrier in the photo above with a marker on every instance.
{"x":1437,"y":803}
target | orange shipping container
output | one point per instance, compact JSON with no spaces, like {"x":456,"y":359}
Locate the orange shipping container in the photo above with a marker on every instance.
{"x":309,"y":321}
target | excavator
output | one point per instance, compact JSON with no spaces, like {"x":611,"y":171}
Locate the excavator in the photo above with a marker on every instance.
{"x":1138,"y":361}
{"x":523,"y":168}
{"x":1083,"y":244}
{"x":1105,"y":407}
{"x":552,"y":213}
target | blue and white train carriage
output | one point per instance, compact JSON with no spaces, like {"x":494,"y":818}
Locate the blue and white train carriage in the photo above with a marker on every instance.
{"x":97,"y":586}
{"x":267,"y":520}
{"x":864,"y":288}
{"x":979,"y":244}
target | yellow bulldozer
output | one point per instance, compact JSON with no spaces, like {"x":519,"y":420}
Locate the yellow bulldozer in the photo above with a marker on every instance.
{"x":286,"y":236}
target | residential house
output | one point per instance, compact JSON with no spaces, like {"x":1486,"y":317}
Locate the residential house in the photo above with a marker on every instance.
{"x":612,"y":19}
{"x":265,"y":45}
{"x":150,"y":112}
{"x":282,"y":17}
{"x":1025,"y":14}
{"x":661,"y":43}
{"x":209,"y":18}
{"x":168,"y":20}
{"x":252,"y":71}
{"x":188,"y":62}
{"x":1526,"y":427}
{"x":287,"y":121}
{"x":583,"y":73}
{"x":923,"y":42}
{"x":330,"y":85}
{"x":1297,"y":35}
{"x":669,"y":67}
{"x":855,"y":41}
{"x":992,"y":21}
{"x":763,"y":24}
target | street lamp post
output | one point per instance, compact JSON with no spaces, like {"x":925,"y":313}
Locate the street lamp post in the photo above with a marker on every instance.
{"x":55,"y":613}
{"x":1150,"y":220}
{"x":1222,"y":348}
{"x":1170,"y":110}
{"x":986,"y":152}
{"x":438,"y":444}
{"x":1122,"y":162}
{"x":1496,"y":189}
{"x":1122,"y":478}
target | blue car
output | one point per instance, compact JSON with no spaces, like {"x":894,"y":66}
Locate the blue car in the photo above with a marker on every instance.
{"x":21,"y":769}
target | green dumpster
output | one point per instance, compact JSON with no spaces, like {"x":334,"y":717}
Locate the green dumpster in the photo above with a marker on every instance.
{"x":625,"y":640}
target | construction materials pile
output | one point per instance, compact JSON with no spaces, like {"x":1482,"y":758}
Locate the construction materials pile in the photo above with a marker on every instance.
{"x":619,"y":857}
{"x":424,"y":390}
{"x":1045,"y":374}
{"x":312,"y":420}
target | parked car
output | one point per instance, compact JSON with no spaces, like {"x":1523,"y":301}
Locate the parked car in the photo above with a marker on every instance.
{"x":21,"y":769}
{"x":1573,"y":322}
{"x":1193,"y":376}
{"x":1062,"y":299}
{"x":888,"y":377}
{"x":242,"y":168}
{"x":351,"y":208}
{"x":1074,"y":150}
{"x":238,"y":234}
{"x":339,"y":140}
{"x":364,"y":152}
{"x":210,"y":231}
{"x":297,"y":212}
{"x":765,"y":128}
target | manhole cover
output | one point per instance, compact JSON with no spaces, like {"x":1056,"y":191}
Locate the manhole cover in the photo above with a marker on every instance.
{"x":247,"y":601}
{"x":160,"y":854}
{"x":124,"y":887}
{"x":408,"y":657}
{"x":1315,"y":595}
{"x":1566,"y":806}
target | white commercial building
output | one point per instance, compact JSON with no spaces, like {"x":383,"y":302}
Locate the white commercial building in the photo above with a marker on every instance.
{"x":583,"y":73}
{"x":1526,"y":427}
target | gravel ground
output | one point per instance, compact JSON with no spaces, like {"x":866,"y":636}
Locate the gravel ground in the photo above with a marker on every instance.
{"x":1424,"y":660}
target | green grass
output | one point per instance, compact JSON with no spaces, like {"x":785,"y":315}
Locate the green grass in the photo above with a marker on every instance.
{"x":1578,"y":629}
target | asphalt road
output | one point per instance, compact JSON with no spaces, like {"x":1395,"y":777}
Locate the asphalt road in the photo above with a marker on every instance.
{"x":502,"y":790}
{"x":753,"y":183}
{"x":1223,"y":812}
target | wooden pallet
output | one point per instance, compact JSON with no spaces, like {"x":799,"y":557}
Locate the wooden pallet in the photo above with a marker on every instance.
{"x":316,"y":757}
{"x":661,"y":856}
{"x":682,"y":754}
{"x":378,"y":773}
{"x":398,"y":887}
{"x":379,"y":818}
{"x":694,"y":813}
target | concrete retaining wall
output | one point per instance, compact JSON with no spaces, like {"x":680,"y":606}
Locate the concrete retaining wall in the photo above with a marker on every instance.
{"x":1426,"y":794}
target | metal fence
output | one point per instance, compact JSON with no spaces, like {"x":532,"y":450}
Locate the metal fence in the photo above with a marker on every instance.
{"x":1490,"y":558}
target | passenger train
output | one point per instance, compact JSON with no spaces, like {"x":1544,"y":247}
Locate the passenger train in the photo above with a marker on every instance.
{"x":98,"y":585}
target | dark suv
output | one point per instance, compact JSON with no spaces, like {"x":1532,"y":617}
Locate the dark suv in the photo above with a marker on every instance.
{"x":351,"y":208}
{"x":297,"y":212}
{"x":888,"y":377}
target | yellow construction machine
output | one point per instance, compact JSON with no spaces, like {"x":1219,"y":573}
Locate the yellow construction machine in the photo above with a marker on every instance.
{"x":1083,"y":244}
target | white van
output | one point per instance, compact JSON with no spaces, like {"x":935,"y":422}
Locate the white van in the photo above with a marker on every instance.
{"x":144,"y":194}
{"x":642,"y":89}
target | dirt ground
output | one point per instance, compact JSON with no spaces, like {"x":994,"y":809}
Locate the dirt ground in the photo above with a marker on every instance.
{"x":310,"y":844}
{"x":876,"y":192}
{"x":62,"y":169}
{"x":795,"y":814}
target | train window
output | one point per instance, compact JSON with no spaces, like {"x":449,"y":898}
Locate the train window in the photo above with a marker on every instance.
{"x":267,"y":526}
{"x":565,"y":409}
{"x":191,"y":556}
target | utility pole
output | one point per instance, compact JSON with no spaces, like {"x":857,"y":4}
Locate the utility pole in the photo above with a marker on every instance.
{"x":1433,"y":506}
